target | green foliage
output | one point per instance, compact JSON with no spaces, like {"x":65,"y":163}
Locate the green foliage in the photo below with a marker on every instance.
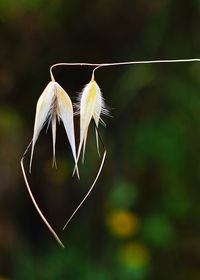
{"x":142,"y":219}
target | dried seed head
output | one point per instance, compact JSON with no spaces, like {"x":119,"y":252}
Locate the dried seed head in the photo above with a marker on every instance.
{"x":91,"y":106}
{"x":54,"y":103}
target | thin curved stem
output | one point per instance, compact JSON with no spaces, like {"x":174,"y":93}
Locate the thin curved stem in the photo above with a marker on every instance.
{"x":89,"y":191}
{"x":95,"y":180}
{"x":34,"y":201}
{"x":186,"y":60}
{"x":71,"y":64}
{"x":99,"y":65}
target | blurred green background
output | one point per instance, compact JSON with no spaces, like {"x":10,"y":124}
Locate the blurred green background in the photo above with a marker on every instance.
{"x":142,"y":220}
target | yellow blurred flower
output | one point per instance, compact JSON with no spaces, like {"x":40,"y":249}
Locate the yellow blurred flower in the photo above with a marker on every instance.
{"x":122,"y":223}
{"x":3,"y":278}
{"x":134,"y":255}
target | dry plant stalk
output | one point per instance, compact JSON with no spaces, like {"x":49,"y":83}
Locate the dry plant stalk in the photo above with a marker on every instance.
{"x":55,"y":104}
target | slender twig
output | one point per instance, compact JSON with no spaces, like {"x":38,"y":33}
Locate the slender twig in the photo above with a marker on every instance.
{"x":186,"y":60}
{"x":34,"y":201}
{"x":99,"y":65}
{"x":95,"y":180}
{"x":71,"y":64}
{"x":89,"y":191}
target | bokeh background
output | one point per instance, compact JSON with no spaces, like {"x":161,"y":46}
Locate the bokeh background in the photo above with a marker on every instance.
{"x":142,"y":219}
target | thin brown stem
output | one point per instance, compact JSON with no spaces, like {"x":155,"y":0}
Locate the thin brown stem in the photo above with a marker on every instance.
{"x":99,"y":65}
{"x":159,"y":61}
{"x":34,"y":201}
{"x":70,"y":64}
{"x":89,"y":191}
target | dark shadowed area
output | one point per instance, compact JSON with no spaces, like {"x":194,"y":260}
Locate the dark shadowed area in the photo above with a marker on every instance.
{"x":141,"y":221}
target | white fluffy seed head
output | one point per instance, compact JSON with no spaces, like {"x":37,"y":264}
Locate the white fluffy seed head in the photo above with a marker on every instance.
{"x":91,"y":106}
{"x":43,"y":109}
{"x":54,"y":103}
